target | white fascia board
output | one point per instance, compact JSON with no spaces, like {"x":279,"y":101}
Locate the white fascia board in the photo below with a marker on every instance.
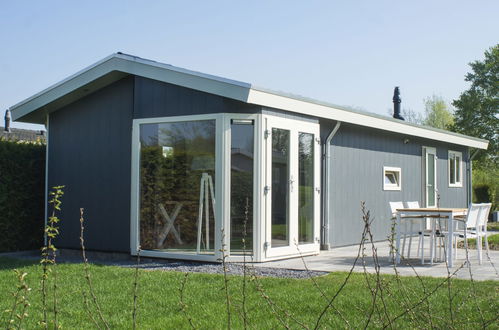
{"x":322,"y":111}
{"x":169,"y":67}
{"x":182,"y":77}
{"x":137,"y":66}
{"x":62,"y":88}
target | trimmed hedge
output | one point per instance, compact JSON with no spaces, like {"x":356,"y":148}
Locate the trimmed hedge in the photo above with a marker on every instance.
{"x":22,"y":184}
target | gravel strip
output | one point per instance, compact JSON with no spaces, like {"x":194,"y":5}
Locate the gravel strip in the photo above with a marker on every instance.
{"x":232,"y":269}
{"x":124,"y":260}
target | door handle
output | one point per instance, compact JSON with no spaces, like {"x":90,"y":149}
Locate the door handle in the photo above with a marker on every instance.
{"x":291,"y":182}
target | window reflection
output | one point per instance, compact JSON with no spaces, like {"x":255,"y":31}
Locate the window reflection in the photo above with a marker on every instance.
{"x":306,"y":188}
{"x":242,"y":156}
{"x":176,"y":160}
{"x":280,"y":187}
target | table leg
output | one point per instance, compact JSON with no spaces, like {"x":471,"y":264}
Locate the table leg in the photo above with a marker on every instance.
{"x":450,"y":246}
{"x":421,"y":238}
{"x":397,"y":238}
{"x":433,"y":239}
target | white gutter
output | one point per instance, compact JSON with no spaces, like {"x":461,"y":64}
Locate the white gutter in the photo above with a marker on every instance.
{"x":322,"y":110}
{"x":325,"y":187}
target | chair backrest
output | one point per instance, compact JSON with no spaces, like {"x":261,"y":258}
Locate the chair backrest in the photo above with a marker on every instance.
{"x":472,"y":216}
{"x":483,"y":216}
{"x":412,"y":205}
{"x":394,"y":206}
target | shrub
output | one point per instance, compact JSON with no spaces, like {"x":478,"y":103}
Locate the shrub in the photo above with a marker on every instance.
{"x":486,"y":185}
{"x":22,"y":184}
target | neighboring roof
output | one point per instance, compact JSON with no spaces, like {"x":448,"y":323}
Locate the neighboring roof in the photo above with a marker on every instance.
{"x":18,"y":134}
{"x":117,"y":66}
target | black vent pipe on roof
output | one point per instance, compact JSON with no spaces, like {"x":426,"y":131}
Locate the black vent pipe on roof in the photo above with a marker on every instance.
{"x":396,"y":104}
{"x":7,"y":121}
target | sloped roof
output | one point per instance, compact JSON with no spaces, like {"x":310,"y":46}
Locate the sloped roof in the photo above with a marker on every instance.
{"x":118,"y":65}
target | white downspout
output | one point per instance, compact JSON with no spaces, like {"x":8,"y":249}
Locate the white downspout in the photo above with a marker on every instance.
{"x":47,"y":123}
{"x":325,"y":187}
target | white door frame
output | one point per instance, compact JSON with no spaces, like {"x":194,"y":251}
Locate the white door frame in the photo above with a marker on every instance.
{"x":257,"y":184}
{"x":433,"y":151}
{"x":295,"y":127}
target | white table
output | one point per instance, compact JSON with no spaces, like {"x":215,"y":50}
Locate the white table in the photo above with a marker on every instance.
{"x":446,"y":213}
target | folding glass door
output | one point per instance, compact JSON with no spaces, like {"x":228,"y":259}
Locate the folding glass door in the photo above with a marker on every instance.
{"x":292,"y":181}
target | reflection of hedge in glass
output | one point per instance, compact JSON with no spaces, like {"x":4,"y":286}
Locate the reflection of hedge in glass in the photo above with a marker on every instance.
{"x":306,"y":188}
{"x":171,"y":165}
{"x":241,"y":188}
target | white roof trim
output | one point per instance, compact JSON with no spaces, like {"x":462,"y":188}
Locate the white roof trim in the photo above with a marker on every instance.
{"x":317,"y":110}
{"x":231,"y":89}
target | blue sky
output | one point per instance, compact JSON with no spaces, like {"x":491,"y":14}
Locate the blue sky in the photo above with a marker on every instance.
{"x":346,"y":52}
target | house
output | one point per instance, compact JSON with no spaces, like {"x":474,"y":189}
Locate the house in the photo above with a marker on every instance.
{"x":19,"y":134}
{"x":181,"y":164}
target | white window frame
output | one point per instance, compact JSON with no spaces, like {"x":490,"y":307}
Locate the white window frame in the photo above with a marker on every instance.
{"x":222,"y":180}
{"x":456,"y":184}
{"x":135,"y":191}
{"x":389,"y":186}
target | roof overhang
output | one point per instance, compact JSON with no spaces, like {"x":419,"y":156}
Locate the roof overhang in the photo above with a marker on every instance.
{"x":117,"y":66}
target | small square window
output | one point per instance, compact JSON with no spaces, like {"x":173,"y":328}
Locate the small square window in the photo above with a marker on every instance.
{"x":392,"y":178}
{"x":455,"y":175}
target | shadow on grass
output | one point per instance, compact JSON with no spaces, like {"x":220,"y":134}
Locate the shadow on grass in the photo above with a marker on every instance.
{"x":7,"y":263}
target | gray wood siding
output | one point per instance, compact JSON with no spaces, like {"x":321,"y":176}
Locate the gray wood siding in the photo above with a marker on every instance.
{"x":89,"y":153}
{"x":90,"y":149}
{"x":357,"y":158}
{"x":158,"y":99}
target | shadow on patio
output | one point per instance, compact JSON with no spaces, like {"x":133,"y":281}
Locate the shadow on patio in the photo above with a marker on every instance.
{"x":342,"y":259}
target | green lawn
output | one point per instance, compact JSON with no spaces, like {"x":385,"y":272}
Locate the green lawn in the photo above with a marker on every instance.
{"x":493,"y":226}
{"x":492,"y":239}
{"x":205,"y":299}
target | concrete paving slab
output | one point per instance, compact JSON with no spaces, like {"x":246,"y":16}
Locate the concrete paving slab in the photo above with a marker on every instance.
{"x":342,"y":259}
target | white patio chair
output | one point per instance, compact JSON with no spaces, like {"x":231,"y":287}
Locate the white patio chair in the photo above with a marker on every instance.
{"x":411,"y":231}
{"x":474,"y":224}
{"x":404,"y":230}
{"x":393,"y":210}
{"x":480,"y":229}
{"x":421,"y":233}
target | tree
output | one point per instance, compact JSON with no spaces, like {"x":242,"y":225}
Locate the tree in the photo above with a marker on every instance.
{"x":477,"y":109}
{"x":412,"y":116}
{"x":437,"y":113}
{"x":409,"y":115}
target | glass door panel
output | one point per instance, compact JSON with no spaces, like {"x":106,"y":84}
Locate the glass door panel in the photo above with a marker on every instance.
{"x":241,"y":187}
{"x":430,"y":178}
{"x":306,"y":188}
{"x":280,"y":187}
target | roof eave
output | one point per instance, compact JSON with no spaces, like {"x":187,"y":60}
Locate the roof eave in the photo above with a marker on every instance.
{"x":273,"y":100}
{"x":116,"y":66}
{"x":112,"y":68}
